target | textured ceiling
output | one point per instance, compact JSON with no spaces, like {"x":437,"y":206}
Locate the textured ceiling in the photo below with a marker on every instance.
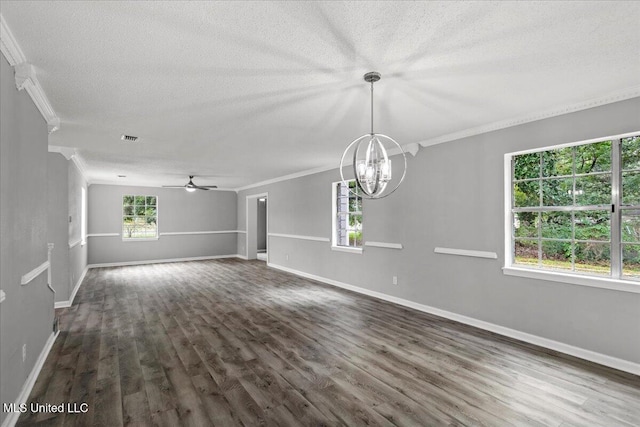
{"x":241,"y":92}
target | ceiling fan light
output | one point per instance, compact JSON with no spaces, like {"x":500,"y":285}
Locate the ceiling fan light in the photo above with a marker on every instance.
{"x":190,"y":189}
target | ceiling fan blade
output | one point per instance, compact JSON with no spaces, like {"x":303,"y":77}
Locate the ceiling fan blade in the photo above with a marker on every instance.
{"x":173,"y":186}
{"x":206,"y":187}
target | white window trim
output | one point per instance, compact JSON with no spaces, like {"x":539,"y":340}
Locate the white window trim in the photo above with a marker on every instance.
{"x":146,"y":239}
{"x":334,"y":246}
{"x":348,"y":249}
{"x":572,"y":278}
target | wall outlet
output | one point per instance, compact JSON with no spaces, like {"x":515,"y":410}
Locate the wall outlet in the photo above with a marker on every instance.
{"x":24,"y":352}
{"x":395,"y":280}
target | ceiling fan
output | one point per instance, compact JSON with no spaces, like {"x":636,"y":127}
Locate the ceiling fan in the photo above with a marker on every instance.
{"x":190,"y":186}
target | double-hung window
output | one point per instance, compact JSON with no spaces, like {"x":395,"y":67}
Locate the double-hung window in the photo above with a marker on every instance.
{"x":347,"y":216}
{"x":576,"y":209}
{"x":139,"y":217}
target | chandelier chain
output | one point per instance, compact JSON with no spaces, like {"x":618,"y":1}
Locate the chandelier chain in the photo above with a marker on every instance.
{"x":372,"y":107}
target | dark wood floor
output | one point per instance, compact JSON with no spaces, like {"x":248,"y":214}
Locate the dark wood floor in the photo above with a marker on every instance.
{"x":232,"y":342}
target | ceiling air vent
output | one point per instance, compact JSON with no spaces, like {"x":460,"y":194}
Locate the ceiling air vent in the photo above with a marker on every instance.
{"x":129,"y":138}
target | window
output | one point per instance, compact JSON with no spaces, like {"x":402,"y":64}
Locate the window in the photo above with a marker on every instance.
{"x":576,"y":209}
{"x":347,"y":216}
{"x":139,"y":217}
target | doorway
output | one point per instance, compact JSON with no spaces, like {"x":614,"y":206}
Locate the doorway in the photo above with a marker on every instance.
{"x":257,"y":227}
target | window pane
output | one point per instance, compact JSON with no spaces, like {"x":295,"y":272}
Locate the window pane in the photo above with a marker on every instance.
{"x":631,"y":226}
{"x":526,"y":194}
{"x":355,"y":204}
{"x":631,"y":261}
{"x":525,"y":224}
{"x":139,"y":210}
{"x":526,"y":252}
{"x":128,"y":226}
{"x":151,"y":200}
{"x":557,"y":162}
{"x":631,"y":153}
{"x":593,"y":225}
{"x":150,"y":211}
{"x":556,"y":255}
{"x":593,"y":190}
{"x":557,"y":192}
{"x":127,"y":210}
{"x":593,"y":258}
{"x":593,"y":157}
{"x":556,"y":225}
{"x":341,"y":230}
{"x":526,"y":166}
{"x":631,"y":188}
{"x":127,"y":200}
{"x":355,"y":238}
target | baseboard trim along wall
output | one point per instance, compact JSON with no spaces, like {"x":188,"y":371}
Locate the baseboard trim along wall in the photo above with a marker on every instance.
{"x":12,"y":417}
{"x":69,"y":302}
{"x":162,"y":261}
{"x":592,"y":356}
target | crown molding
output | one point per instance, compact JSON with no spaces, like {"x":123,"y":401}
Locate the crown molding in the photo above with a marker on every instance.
{"x":620,"y":95}
{"x":287,"y":177}
{"x":412,"y":148}
{"x":72,"y":154}
{"x":67,"y":152}
{"x":25,"y":76}
{"x":9,"y":46}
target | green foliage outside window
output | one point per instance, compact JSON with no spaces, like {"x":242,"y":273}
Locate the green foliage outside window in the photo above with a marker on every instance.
{"x":139,"y":217}
{"x":562,"y":202}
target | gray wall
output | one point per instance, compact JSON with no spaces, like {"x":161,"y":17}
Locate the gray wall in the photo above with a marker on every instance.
{"x":58,"y":223}
{"x":432,"y":208}
{"x":64,"y":193}
{"x":26,"y":316}
{"x":178,"y":211}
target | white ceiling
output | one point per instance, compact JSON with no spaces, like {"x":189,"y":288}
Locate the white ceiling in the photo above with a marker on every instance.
{"x":242,"y":92}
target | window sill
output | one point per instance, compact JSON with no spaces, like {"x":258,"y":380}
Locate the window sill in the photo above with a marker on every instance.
{"x":146,"y":239}
{"x":574,"y":279}
{"x":347,"y":249}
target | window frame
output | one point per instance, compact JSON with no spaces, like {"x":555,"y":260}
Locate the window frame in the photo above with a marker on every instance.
{"x":334,"y":221}
{"x":122,"y":216}
{"x":615,"y":281}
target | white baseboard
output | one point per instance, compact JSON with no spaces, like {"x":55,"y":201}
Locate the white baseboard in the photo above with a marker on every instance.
{"x":69,"y":302}
{"x":592,"y":356}
{"x":161,"y":261}
{"x":12,"y":417}
{"x":244,"y":257}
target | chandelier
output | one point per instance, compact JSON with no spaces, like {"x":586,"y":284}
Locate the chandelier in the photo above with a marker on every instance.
{"x":371,"y":163}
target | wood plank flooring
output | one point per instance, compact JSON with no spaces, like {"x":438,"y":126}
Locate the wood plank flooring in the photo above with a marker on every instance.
{"x":231,"y":343}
